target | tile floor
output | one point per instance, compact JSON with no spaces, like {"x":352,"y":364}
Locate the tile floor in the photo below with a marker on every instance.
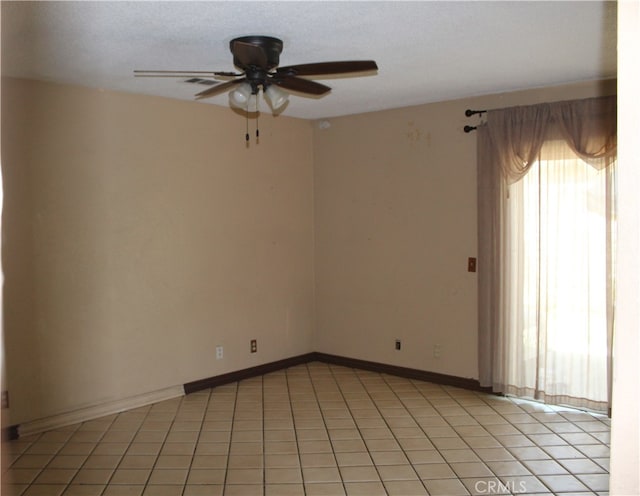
{"x":319,"y":429}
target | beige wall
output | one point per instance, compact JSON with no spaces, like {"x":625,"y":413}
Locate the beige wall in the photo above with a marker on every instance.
{"x":140,"y":233}
{"x":395,"y":221}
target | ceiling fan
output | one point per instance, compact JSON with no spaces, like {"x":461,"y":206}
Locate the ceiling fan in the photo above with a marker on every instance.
{"x":258,"y":58}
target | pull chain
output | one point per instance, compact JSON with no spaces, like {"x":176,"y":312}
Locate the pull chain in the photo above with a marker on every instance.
{"x":257,"y":121}
{"x":246,"y":136}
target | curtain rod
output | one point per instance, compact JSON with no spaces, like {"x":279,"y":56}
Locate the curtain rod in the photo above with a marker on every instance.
{"x":471,"y":112}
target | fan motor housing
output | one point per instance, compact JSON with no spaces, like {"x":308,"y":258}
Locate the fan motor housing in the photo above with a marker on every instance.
{"x":271,"y":46}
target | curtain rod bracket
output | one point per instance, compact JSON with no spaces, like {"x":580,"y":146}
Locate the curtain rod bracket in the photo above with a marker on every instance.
{"x":470,"y":112}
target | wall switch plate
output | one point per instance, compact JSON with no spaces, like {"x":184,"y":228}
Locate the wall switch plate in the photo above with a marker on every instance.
{"x":219,"y":352}
{"x":254,"y":345}
{"x":472,"y":264}
{"x":398,"y":344}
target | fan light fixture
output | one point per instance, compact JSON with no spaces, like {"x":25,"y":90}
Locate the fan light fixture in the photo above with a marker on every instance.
{"x":275,"y":97}
{"x":241,"y":97}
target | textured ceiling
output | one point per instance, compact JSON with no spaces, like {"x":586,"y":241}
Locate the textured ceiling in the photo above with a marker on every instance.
{"x":426,"y":51}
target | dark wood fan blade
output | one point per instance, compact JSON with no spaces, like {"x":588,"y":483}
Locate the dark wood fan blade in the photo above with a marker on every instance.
{"x":301,"y":85}
{"x":220,"y":88}
{"x":322,"y":68}
{"x":247,"y":54}
{"x":180,"y":74}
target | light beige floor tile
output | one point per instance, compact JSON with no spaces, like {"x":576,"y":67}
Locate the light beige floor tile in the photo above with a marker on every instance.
{"x":102,"y":461}
{"x":308,"y":434}
{"x":284,"y":490}
{"x":320,"y":474}
{"x":405,"y":488}
{"x":545,"y":467}
{"x":55,"y":476}
{"x":144,"y":449}
{"x":471,"y":469}
{"x":511,"y":468}
{"x":206,"y":476}
{"x":324,"y":489}
{"x":283,"y":476}
{"x":389,"y":458}
{"x":204,"y":448}
{"x":365,"y":489}
{"x":130,"y":476}
{"x":163,"y":491}
{"x":150,"y":437}
{"x":445,"y":487}
{"x":72,"y":448}
{"x":168,"y":476}
{"x":123,"y":490}
{"x":348,"y":445}
{"x":32,"y":461}
{"x":314,"y":447}
{"x":244,"y":490}
{"x":83,"y":490}
{"x":278,"y":447}
{"x":246,"y":461}
{"x":359,"y":474}
{"x":595,"y":482}
{"x":417,"y":443}
{"x":563,"y":483}
{"x":45,"y":490}
{"x":173,"y":461}
{"x":93,"y":476}
{"x":397,"y":472}
{"x":182,"y":448}
{"x":203,"y":490}
{"x":67,"y":461}
{"x":281,"y":460}
{"x":244,"y":476}
{"x":318,"y":460}
{"x":137,"y":461}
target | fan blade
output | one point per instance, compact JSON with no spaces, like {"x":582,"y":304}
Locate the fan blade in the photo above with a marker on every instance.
{"x":248,"y":54}
{"x":301,"y":85}
{"x":322,"y":68}
{"x":181,"y":74}
{"x":220,"y":88}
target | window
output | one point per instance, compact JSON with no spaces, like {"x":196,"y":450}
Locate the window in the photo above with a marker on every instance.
{"x":560,"y":243}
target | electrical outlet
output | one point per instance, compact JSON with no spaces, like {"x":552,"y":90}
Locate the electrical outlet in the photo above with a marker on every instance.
{"x":254,"y":345}
{"x":5,"y":399}
{"x":437,"y":350}
{"x":398,"y":344}
{"x":219,"y":352}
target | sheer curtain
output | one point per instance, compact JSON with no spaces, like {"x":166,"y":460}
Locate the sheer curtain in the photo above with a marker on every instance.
{"x":545,"y":220}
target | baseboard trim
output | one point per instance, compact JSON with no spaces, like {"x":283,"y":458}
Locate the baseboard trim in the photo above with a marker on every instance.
{"x":96,"y":411}
{"x":408,"y":373}
{"x":10,"y":433}
{"x":238,"y":375}
{"x":383,"y":368}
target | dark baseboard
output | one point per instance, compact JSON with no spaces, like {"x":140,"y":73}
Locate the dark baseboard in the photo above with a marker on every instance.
{"x":239,"y":375}
{"x":408,"y":373}
{"x":10,"y":433}
{"x":383,"y":368}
